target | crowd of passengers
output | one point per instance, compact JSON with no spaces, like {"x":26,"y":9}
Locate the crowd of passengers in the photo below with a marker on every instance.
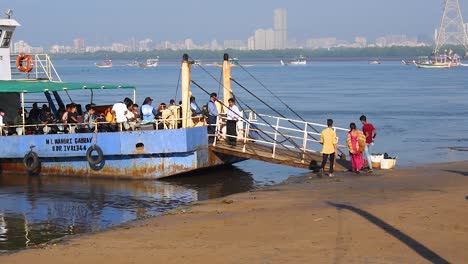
{"x":122,"y":116}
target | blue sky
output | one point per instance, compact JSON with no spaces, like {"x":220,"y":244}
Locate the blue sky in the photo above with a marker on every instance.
{"x":46,"y":22}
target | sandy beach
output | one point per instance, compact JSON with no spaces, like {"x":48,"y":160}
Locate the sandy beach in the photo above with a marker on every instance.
{"x":416,"y":215}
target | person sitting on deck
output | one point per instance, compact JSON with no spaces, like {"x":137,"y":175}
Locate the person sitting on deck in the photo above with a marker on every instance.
{"x":72,"y":118}
{"x":34,"y":114}
{"x":18,"y":121}
{"x":46,"y":120}
{"x":89,"y":120}
{"x":194,"y":106}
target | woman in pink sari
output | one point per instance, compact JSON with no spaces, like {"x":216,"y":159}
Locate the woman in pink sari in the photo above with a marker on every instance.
{"x":356,"y":143}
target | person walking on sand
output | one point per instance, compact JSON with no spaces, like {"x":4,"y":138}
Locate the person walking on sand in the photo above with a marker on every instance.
{"x":369,"y":131}
{"x":328,"y":140}
{"x":356,"y":143}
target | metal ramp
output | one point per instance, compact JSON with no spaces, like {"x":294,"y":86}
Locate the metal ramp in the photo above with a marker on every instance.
{"x":279,"y":140}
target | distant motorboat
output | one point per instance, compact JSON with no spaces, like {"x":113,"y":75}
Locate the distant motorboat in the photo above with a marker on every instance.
{"x":133,"y":64}
{"x":374,"y":62}
{"x":104,"y":64}
{"x":298,"y":61}
{"x":150,"y":63}
{"x":408,"y":62}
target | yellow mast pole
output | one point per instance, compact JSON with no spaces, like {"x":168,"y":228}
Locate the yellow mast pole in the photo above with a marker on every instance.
{"x":186,"y":93}
{"x":227,"y":91}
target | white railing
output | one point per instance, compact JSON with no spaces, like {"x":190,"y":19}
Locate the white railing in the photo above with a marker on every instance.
{"x":281,"y":133}
{"x":97,"y":126}
{"x":43,"y":68}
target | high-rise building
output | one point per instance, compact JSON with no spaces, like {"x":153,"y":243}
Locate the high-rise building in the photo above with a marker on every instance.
{"x":264,"y":39}
{"x":79,"y":45}
{"x":280,"y":28}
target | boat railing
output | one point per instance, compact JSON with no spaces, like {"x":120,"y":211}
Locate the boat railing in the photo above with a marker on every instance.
{"x":279,"y":133}
{"x":98,"y":126}
{"x":43,"y":68}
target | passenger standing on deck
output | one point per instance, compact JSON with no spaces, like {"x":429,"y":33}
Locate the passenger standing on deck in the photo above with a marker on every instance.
{"x":119,"y":110}
{"x":356,"y":143}
{"x":232,"y":117}
{"x":212,"y":116}
{"x":369,"y":131}
{"x":328,"y":140}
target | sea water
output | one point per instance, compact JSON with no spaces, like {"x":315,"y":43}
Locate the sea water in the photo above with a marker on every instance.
{"x":420,"y":116}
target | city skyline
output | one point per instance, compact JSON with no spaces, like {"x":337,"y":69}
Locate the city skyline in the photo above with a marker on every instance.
{"x":105,"y":22}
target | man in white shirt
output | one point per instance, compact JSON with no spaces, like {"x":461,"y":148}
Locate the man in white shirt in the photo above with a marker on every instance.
{"x":233,"y":115}
{"x":119,"y":110}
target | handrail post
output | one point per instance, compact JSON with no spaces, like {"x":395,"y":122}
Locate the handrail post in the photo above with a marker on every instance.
{"x":247,"y":131}
{"x":217,"y":125}
{"x":304,"y":144}
{"x":276,"y":137}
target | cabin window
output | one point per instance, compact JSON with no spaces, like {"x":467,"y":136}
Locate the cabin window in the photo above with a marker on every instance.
{"x":7,"y":39}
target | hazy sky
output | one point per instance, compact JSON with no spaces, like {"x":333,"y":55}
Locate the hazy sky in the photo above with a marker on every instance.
{"x":46,"y":22}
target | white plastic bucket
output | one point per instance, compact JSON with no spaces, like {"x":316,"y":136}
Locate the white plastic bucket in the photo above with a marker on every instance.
{"x":377,"y":157}
{"x":386,"y":164}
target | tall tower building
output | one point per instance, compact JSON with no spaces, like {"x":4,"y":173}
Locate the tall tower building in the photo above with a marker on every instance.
{"x":79,"y":45}
{"x":280,"y":28}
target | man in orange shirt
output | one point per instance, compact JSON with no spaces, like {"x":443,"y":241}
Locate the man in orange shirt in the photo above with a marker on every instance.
{"x":328,"y":140}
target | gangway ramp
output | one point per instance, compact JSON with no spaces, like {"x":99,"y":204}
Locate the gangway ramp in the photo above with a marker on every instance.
{"x":280,"y":140}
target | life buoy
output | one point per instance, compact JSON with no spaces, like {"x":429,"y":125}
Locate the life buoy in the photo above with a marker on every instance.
{"x":24,"y":63}
{"x":31,"y":161}
{"x":94,"y":160}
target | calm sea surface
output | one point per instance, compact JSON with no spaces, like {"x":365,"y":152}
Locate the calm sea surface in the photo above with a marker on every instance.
{"x":420,"y":116}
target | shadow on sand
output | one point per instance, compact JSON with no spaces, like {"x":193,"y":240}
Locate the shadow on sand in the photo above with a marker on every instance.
{"x":463,"y":173}
{"x":419,"y":248}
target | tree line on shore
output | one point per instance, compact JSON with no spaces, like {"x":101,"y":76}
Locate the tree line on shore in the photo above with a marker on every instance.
{"x":396,"y":52}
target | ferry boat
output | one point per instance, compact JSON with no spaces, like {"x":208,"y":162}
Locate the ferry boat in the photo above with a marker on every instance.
{"x":146,"y":153}
{"x":439,"y":61}
{"x":150,"y":63}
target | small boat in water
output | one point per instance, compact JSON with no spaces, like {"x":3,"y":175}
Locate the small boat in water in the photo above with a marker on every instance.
{"x":133,"y":64}
{"x":298,"y":61}
{"x":375,"y":62}
{"x":408,"y":62}
{"x":107,"y":63}
{"x":150,"y":63}
{"x":437,"y":62}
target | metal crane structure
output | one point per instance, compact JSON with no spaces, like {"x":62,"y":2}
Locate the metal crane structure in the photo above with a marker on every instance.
{"x":452,"y":28}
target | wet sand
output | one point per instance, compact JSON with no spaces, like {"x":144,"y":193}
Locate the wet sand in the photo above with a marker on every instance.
{"x":417,"y":215}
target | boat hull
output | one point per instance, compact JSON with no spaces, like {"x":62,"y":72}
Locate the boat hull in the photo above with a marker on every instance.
{"x":432,"y":66}
{"x":126,"y":155}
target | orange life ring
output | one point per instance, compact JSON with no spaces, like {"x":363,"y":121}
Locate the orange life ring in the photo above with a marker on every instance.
{"x":24,"y":63}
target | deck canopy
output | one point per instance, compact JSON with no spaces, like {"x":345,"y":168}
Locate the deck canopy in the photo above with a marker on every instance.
{"x":47,"y":86}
